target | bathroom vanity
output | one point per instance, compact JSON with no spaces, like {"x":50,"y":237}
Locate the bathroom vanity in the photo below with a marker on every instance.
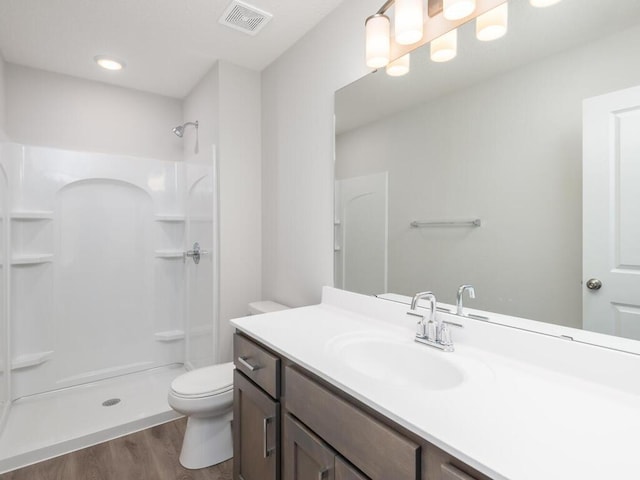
{"x":341,"y":391}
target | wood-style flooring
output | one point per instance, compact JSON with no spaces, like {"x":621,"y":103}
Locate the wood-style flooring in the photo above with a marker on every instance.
{"x":151,"y":454}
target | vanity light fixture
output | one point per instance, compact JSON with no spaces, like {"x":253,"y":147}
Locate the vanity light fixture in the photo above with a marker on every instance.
{"x":445,"y":47}
{"x":109,"y":63}
{"x":543,"y":3}
{"x":457,"y":9}
{"x":412,"y":28}
{"x":408,"y":21}
{"x":378,"y":46}
{"x":493,"y":24}
{"x":399,"y":67}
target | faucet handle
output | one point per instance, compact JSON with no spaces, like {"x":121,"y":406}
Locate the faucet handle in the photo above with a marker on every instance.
{"x":445,"y":335}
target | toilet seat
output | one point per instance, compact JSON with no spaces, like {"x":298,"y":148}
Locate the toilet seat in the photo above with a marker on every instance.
{"x":204,"y":382}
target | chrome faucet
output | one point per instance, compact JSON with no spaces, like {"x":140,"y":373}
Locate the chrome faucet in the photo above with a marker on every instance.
{"x":435,"y":331}
{"x":459,"y":309}
{"x":461,"y":290}
{"x":422,"y":325}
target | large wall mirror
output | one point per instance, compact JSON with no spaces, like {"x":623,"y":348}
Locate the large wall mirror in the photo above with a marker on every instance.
{"x":495,"y":135}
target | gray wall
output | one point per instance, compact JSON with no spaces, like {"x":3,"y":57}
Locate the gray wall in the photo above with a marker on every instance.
{"x":227,"y":104}
{"x":4,"y":344}
{"x":53,"y":110}
{"x":508,"y":150}
{"x":2,"y":99}
{"x":240,"y":196}
{"x":297,"y":153}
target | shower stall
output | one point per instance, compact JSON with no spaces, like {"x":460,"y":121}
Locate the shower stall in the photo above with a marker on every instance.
{"x":101,"y":301}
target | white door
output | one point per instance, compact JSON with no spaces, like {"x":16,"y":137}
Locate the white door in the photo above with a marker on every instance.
{"x":361,"y":234}
{"x":611,"y":213}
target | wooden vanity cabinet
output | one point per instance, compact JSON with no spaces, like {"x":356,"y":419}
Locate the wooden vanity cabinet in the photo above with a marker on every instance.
{"x":326,"y":435}
{"x":374,"y":448}
{"x":307,"y":457}
{"x":256,"y":413}
{"x":344,"y":471}
{"x":439,"y":465}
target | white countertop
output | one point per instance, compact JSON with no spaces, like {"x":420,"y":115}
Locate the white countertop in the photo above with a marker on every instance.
{"x":532,"y":407}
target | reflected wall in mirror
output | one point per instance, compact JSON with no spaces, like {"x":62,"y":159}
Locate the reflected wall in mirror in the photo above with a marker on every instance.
{"x":497,"y":135}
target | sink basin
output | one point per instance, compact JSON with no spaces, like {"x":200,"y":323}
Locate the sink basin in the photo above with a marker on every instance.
{"x":397,"y":362}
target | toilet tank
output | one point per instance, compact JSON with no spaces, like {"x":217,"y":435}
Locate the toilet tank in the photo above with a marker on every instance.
{"x":265,"y":306}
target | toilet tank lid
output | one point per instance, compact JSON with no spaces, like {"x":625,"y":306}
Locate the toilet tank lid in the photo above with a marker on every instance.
{"x":204,"y":381}
{"x":265,"y":306}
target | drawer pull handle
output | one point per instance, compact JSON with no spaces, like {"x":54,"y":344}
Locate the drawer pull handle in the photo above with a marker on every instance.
{"x":322,"y":473}
{"x":266,"y":451}
{"x":449,"y":472}
{"x":244,"y":363}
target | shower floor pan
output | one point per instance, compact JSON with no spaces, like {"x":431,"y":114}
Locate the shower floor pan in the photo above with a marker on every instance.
{"x":51,"y":424}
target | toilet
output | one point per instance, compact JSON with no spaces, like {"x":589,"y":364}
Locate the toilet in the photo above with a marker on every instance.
{"x":205,"y":396}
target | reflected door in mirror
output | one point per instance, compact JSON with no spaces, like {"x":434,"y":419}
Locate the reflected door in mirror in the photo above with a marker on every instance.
{"x":612,"y":213}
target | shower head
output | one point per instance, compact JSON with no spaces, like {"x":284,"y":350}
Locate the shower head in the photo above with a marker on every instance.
{"x":179,"y":130}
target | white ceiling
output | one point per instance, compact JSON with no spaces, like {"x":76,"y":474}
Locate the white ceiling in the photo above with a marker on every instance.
{"x":167,"y":44}
{"x":534,"y":33}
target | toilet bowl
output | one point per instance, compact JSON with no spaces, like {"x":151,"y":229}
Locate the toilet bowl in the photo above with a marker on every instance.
{"x":205,"y":396}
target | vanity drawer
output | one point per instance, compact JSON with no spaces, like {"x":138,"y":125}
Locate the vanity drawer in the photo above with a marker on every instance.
{"x":439,"y":465}
{"x":261,"y":366}
{"x":449,"y":472}
{"x":371,"y":446}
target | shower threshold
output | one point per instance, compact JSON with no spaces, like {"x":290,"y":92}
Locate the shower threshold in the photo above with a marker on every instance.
{"x":51,"y":424}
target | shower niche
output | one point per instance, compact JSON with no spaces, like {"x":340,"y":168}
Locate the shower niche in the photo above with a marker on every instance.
{"x":98,"y":278}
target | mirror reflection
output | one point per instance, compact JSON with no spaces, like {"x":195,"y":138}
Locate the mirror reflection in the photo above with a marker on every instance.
{"x":495,"y":135}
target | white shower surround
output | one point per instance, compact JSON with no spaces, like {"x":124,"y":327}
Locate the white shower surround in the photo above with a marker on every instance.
{"x":97,"y":286}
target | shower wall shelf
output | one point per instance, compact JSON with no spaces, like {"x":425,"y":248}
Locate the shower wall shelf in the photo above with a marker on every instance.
{"x":30,"y":360}
{"x":169,"y":253}
{"x":32,"y":215}
{"x":31,"y":259}
{"x":169,"y":336}
{"x":170,"y":218}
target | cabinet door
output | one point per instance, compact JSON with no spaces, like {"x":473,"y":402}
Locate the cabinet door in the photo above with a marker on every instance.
{"x":306,"y":457}
{"x":256,"y":432}
{"x":344,"y":471}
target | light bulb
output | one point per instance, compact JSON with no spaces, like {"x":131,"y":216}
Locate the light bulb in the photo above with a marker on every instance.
{"x":408,"y":21}
{"x":493,"y":24}
{"x":399,"y":67}
{"x":543,"y":3}
{"x":445,"y":47}
{"x":109,"y":63}
{"x":457,"y":9}
{"x":378,"y":44}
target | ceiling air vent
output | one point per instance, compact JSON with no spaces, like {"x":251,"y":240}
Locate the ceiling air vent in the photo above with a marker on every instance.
{"x":246,"y":18}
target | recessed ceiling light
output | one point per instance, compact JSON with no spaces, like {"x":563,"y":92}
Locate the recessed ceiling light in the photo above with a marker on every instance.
{"x":109,"y":63}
